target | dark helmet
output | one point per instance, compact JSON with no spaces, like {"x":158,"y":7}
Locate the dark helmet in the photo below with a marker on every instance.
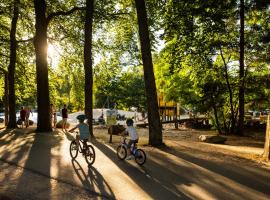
{"x":81,"y":117}
{"x":129,"y":122}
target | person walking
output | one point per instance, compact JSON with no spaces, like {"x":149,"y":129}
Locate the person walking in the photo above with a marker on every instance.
{"x":53,"y":115}
{"x":23,"y":116}
{"x":27,"y":115}
{"x":64,"y":117}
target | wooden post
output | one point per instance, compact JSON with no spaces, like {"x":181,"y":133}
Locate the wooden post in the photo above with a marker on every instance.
{"x":266,"y":154}
{"x":175,"y":117}
{"x":110,"y":131}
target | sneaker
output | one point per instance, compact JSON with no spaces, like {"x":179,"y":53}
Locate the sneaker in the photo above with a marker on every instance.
{"x":129,"y":157}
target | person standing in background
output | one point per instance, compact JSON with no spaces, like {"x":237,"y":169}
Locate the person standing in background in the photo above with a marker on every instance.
{"x":53,"y":115}
{"x":64,"y":116}
{"x":23,"y":116}
{"x":27,"y":115}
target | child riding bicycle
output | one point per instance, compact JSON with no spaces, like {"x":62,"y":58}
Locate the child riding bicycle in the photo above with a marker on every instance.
{"x":134,"y":137}
{"x":83,"y":129}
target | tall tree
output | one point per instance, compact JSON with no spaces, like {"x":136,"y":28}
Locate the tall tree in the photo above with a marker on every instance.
{"x":155,"y":129}
{"x":6,"y":103}
{"x":241,"y":70}
{"x":40,"y":43}
{"x":88,"y":63}
{"x":5,"y":73}
{"x":11,"y":67}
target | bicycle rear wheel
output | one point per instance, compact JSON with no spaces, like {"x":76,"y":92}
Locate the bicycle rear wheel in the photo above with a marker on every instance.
{"x":73,"y":149}
{"x":121,"y":152}
{"x":140,"y":156}
{"x":90,"y":155}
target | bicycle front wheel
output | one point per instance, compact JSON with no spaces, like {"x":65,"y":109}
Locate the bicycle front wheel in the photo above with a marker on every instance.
{"x":73,"y":150}
{"x":90,"y":155}
{"x":121,"y":152}
{"x":140,"y":156}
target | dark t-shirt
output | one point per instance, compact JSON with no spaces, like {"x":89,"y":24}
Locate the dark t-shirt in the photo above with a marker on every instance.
{"x":23,"y":114}
{"x":64,"y":113}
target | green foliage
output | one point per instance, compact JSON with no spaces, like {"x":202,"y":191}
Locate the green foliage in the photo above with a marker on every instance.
{"x":199,"y":64}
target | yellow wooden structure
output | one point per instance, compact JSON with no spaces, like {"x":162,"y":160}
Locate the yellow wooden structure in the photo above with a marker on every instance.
{"x":168,"y":110}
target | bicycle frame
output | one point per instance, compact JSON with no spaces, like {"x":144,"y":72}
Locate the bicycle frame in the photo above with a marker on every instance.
{"x":81,"y":145}
{"x":138,"y":153}
{"x":132,"y":148}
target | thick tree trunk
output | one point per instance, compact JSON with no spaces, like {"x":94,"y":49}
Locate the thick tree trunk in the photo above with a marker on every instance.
{"x":266,"y":153}
{"x":241,"y":71}
{"x":11,"y":68}
{"x":6,"y":99}
{"x":40,"y":43}
{"x":88,"y":88}
{"x":155,"y":129}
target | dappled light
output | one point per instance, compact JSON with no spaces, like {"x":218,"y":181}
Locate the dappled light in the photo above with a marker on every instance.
{"x":135,"y":99}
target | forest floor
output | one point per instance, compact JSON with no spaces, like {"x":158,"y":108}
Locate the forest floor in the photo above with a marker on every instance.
{"x":38,"y":166}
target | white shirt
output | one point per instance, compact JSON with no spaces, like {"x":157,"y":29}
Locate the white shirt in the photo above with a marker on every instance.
{"x":132,"y":133}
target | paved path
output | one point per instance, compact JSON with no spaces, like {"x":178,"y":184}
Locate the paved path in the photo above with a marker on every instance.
{"x":167,"y":174}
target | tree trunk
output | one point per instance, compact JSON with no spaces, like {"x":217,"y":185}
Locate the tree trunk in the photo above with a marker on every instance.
{"x":233,"y":116}
{"x":155,"y":129}
{"x":266,"y":153}
{"x":11,"y":68}
{"x":216,"y":115}
{"x":241,"y":71}
{"x":88,"y":88}
{"x":6,"y":99}
{"x":40,"y":43}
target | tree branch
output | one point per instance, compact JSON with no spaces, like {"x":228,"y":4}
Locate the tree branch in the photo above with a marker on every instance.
{"x":63,"y":13}
{"x":108,"y":16}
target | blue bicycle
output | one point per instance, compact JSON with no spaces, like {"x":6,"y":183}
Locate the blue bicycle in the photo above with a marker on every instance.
{"x":122,"y":149}
{"x":87,"y":151}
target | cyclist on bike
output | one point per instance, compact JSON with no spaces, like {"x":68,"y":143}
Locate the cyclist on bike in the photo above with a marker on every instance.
{"x":134,"y":137}
{"x":83,"y":129}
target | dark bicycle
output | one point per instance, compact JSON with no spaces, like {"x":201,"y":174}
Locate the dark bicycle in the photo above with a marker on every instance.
{"x":122,"y":149}
{"x":87,"y":151}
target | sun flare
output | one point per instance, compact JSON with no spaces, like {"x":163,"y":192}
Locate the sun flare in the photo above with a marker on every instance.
{"x":53,"y":55}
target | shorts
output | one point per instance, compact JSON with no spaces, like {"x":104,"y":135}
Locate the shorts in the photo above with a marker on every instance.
{"x":84,"y":137}
{"x":130,"y":142}
{"x":65,"y":120}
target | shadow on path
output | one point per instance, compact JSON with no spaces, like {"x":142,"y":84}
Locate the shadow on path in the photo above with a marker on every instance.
{"x":153,"y":187}
{"x":254,"y":177}
{"x":39,"y":162}
{"x":93,"y":181}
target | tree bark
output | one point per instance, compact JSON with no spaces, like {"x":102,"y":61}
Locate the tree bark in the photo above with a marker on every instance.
{"x":266,"y":153}
{"x":11,"y":68}
{"x":216,"y":115}
{"x":241,"y":71}
{"x":155,"y":129}
{"x":6,"y":99}
{"x":88,"y":87}
{"x":40,"y":43}
{"x":233,"y":116}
